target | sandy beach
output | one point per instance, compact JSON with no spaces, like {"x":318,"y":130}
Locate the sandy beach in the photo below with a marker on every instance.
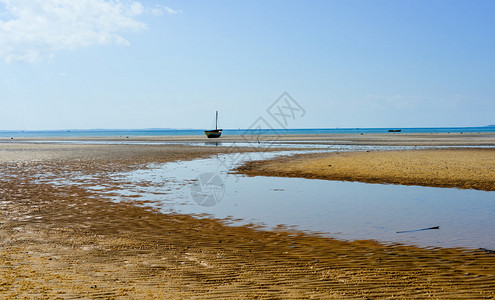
{"x":394,"y":139}
{"x":461,"y":168}
{"x":65,"y":241}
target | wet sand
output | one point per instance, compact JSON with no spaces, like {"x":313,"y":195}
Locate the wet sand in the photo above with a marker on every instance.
{"x":461,"y":168}
{"x":391,"y":139}
{"x":64,"y":241}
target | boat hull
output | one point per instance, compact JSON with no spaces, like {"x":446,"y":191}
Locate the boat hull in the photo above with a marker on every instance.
{"x":213,"y":133}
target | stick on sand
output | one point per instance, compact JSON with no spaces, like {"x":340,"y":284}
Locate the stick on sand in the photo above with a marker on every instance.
{"x":434,"y":227}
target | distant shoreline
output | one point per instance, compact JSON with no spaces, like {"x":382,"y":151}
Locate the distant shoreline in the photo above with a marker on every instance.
{"x":234,"y":132}
{"x":447,"y":139}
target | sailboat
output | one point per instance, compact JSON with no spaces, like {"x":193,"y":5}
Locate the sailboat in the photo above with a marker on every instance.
{"x":216,"y":132}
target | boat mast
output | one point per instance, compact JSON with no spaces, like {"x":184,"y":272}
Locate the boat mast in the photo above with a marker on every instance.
{"x":216,"y":121}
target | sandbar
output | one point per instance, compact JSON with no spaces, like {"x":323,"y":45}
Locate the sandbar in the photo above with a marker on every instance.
{"x":391,"y":139}
{"x":467,"y":168}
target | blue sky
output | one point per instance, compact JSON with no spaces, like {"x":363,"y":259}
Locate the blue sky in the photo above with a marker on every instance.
{"x":88,"y":64}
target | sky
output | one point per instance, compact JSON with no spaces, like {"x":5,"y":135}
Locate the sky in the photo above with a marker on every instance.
{"x":87,"y":64}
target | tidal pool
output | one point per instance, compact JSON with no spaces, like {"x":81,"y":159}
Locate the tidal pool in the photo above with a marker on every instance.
{"x":342,"y":210}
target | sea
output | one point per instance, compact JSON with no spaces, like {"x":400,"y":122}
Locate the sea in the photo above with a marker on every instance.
{"x":192,"y":132}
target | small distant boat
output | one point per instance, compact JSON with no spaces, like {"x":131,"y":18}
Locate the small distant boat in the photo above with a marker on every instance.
{"x":394,"y":130}
{"x":216,"y":133}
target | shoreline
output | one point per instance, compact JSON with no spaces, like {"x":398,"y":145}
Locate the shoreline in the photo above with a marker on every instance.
{"x":65,"y":241}
{"x":467,"y":168}
{"x":385,"y":139}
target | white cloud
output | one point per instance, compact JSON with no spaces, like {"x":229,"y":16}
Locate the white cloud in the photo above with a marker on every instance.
{"x":31,"y":30}
{"x":159,"y":10}
{"x":171,"y":11}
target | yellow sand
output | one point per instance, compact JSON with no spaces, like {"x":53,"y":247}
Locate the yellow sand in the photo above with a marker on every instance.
{"x":64,"y":241}
{"x":463,"y":168}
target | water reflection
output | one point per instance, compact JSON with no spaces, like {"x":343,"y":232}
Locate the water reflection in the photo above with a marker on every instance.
{"x":344,"y":210}
{"x":215,"y":144}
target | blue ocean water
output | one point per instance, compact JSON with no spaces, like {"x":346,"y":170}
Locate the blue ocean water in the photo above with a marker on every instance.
{"x":226,"y":132}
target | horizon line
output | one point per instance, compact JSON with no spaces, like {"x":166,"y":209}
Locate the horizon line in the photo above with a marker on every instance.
{"x":202,"y":129}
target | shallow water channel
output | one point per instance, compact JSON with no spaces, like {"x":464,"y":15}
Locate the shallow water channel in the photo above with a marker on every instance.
{"x":342,"y":210}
